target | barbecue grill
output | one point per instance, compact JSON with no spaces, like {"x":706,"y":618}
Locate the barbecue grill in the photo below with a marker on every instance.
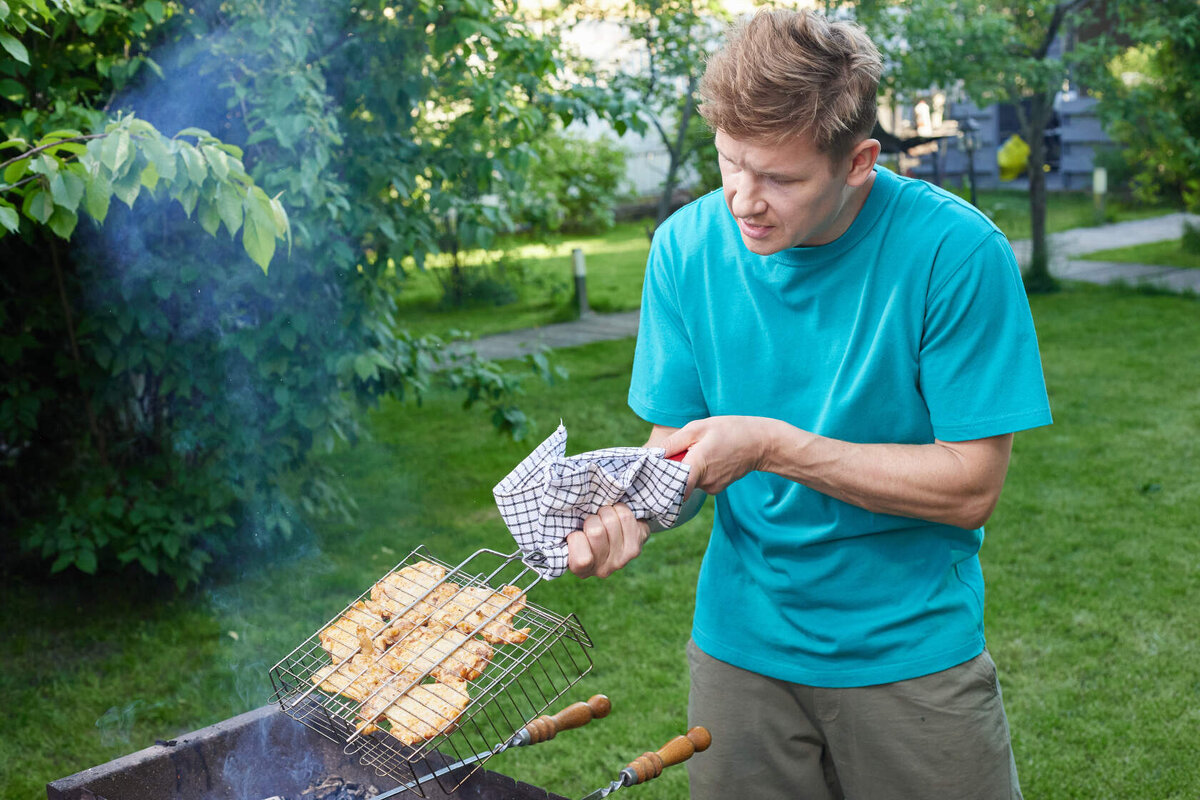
{"x":536,"y":657}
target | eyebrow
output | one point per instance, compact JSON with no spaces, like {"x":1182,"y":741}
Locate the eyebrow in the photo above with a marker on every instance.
{"x":775,"y":176}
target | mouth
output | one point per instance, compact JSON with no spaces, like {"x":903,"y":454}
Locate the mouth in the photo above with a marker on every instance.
{"x":752,"y":231}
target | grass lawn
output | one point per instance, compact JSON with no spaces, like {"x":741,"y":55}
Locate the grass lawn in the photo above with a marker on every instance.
{"x":616,"y":259}
{"x":1169,"y":253}
{"x":1092,"y":562}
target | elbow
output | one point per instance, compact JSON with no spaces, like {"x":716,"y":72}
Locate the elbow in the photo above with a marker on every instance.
{"x":975,"y":509}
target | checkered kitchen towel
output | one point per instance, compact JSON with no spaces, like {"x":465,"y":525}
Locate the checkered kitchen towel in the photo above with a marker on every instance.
{"x":548,"y":494}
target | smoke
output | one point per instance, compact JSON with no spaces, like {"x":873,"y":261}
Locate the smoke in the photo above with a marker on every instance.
{"x":116,"y":724}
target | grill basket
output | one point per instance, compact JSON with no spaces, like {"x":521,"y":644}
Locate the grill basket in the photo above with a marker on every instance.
{"x":520,"y":680}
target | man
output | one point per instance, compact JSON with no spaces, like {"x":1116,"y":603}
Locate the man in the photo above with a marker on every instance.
{"x":844,"y":355}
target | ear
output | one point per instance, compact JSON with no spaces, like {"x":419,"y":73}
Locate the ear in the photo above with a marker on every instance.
{"x":862,"y":161}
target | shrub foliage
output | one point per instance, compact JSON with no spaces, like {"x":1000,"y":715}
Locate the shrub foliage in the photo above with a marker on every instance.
{"x":161,"y":391}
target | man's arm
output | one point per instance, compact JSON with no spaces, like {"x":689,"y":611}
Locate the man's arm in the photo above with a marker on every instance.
{"x":956,"y":483}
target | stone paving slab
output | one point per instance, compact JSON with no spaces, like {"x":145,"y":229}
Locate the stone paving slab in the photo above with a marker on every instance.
{"x":591,"y":328}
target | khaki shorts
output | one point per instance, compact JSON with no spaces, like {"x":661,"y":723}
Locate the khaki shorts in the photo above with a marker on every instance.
{"x":938,"y":737}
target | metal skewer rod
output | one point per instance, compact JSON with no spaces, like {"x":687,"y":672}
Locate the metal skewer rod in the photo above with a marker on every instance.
{"x":541,"y":729}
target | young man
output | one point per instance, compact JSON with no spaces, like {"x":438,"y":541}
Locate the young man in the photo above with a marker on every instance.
{"x":844,"y":355}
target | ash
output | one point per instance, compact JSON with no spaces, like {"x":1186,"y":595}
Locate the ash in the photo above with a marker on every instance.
{"x":333,"y":788}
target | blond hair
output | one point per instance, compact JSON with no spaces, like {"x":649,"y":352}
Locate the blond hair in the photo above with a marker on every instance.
{"x":786,"y":73}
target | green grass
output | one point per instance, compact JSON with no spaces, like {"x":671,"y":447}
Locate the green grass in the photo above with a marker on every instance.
{"x":615,"y":261}
{"x":1009,"y":209}
{"x":1092,"y":562}
{"x":1169,"y":253}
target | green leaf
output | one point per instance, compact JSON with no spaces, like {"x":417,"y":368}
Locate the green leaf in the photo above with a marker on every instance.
{"x":86,"y":561}
{"x":149,"y":562}
{"x":12,"y":91}
{"x":38,"y":205}
{"x":194,"y":164}
{"x":259,"y":243}
{"x":67,"y":189}
{"x":9,"y":217}
{"x":218,"y":162}
{"x":98,"y":196}
{"x":63,"y":222}
{"x":128,"y":187}
{"x":364,"y":367}
{"x":155,"y":9}
{"x":149,"y":176}
{"x":199,"y":133}
{"x":92,"y":22}
{"x":14,"y":48}
{"x":208,"y":216}
{"x":158,"y":154}
{"x":116,"y":151}
{"x":16,"y":170}
{"x":229,"y":206}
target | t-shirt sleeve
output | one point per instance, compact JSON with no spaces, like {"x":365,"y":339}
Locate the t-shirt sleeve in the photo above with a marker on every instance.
{"x":980,"y":369}
{"x":665,"y":385}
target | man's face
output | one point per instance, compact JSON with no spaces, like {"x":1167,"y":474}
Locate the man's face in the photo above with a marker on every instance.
{"x":785,"y":195}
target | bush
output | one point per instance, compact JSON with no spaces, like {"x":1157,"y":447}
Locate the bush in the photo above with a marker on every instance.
{"x":1191,"y":238}
{"x":574,"y":184}
{"x":160,"y":389}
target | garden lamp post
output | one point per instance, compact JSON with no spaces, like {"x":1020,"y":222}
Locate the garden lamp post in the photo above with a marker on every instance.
{"x":970,"y":140}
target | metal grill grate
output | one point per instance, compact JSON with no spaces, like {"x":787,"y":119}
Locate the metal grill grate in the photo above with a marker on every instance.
{"x":519,"y":681}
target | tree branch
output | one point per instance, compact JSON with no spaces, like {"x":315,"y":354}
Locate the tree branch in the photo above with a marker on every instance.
{"x":1061,"y":10}
{"x":40,"y":148}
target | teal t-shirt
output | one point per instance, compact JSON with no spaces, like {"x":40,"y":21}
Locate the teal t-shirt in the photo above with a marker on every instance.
{"x":912,"y":325}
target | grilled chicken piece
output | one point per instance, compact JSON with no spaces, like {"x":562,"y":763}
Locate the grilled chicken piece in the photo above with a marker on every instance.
{"x":404,"y":593}
{"x":355,"y":678}
{"x":448,"y":655}
{"x":470,"y":608}
{"x":421,"y":713}
{"x":340,"y":639}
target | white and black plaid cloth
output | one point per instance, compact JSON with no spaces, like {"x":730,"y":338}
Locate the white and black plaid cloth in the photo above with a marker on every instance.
{"x":548,"y":494}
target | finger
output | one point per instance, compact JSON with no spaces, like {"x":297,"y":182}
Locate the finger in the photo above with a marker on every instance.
{"x":625,"y":538}
{"x":633,"y":535}
{"x":678,"y":442}
{"x":600,"y":534}
{"x":580,"y":559}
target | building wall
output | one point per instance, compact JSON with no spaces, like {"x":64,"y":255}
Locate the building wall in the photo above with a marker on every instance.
{"x":1077,"y":137}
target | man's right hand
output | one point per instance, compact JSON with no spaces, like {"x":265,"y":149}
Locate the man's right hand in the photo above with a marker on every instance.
{"x":608,"y":540}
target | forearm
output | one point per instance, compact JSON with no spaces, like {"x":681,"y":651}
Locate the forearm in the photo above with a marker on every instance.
{"x":956,"y":483}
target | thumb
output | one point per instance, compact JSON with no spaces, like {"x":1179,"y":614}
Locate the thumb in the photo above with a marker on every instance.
{"x":677,"y":444}
{"x":677,"y":448}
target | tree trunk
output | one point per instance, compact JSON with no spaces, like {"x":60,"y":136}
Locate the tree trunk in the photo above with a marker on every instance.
{"x":1037,"y":276}
{"x":675,"y":149}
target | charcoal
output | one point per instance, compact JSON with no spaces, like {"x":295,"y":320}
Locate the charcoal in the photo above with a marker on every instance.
{"x":334,"y":787}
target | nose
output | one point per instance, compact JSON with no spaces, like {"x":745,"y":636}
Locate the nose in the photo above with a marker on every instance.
{"x":745,"y":198}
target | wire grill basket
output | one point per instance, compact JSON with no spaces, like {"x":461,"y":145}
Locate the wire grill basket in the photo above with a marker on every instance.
{"x":431,"y":665}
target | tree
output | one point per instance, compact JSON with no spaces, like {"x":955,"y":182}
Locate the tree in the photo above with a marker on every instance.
{"x":1147,"y":97}
{"x":669,"y":40}
{"x":1000,"y":53}
{"x":211,"y":383}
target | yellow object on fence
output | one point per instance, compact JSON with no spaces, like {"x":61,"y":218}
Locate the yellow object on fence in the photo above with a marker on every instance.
{"x":1013,"y":157}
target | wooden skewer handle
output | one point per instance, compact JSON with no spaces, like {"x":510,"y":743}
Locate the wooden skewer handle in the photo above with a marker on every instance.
{"x":575,"y":715}
{"x":650,"y":765}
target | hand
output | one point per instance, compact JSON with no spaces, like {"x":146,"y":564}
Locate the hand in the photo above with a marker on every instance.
{"x":609,"y":539}
{"x":722,"y":449}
